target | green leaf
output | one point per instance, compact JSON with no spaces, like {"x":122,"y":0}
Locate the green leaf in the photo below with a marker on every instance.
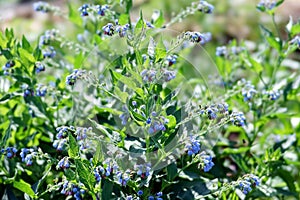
{"x":128,"y":6}
{"x":288,"y":179}
{"x":126,"y":80}
{"x":26,"y":44}
{"x":160,"y":50}
{"x":171,"y":171}
{"x":228,"y":151}
{"x":6,"y":136}
{"x":107,"y":189}
{"x":74,"y":148}
{"x":257,"y":67}
{"x":84,"y":174}
{"x":5,"y":97}
{"x":98,"y":156}
{"x":36,"y":186}
{"x":123,"y":19}
{"x":159,"y":21}
{"x":24,"y":187}
{"x":26,"y":56}
{"x":74,"y":15}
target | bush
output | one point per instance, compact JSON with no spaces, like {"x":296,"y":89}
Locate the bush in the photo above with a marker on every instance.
{"x":127,"y":111}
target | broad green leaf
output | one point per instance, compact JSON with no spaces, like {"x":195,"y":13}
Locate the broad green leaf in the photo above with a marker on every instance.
{"x":107,"y":189}
{"x":74,"y":15}
{"x":5,"y":97}
{"x":171,"y":171}
{"x":26,"y":44}
{"x":160,"y":50}
{"x":257,"y":67}
{"x":26,"y":56}
{"x":123,"y":19}
{"x":24,"y":187}
{"x":98,"y":156}
{"x":84,"y":174}
{"x":74,"y":148}
{"x":159,"y":20}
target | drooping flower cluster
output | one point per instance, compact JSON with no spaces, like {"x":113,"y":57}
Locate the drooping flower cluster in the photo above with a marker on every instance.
{"x":272,"y":94}
{"x":41,"y":90}
{"x":205,"y":7}
{"x":213,"y":110}
{"x":156,"y":123}
{"x":81,"y":136}
{"x":247,"y":182}
{"x":49,"y":52}
{"x":27,"y":155}
{"x":63,"y":163}
{"x":27,"y":91}
{"x":193,"y":146}
{"x":238,"y":119}
{"x":158,"y":196}
{"x":61,"y":136}
{"x":7,"y":67}
{"x":10,"y":152}
{"x":248,"y":90}
{"x":77,"y":74}
{"x":109,"y":29}
{"x":72,"y":189}
{"x":206,"y":162}
{"x":148,"y":75}
{"x":224,"y":51}
{"x":143,"y":170}
{"x":197,"y":37}
{"x":171,"y":59}
{"x":48,"y":36}
{"x":265,"y":5}
{"x":41,"y":7}
{"x":39,"y":67}
{"x":123,"y":177}
{"x":86,"y":9}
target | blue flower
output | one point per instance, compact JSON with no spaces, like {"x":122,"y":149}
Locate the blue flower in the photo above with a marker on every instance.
{"x":64,"y":163}
{"x":205,"y":7}
{"x":122,"y":30}
{"x":108,"y":29}
{"x":238,"y":119}
{"x":193,"y":146}
{"x":72,"y":78}
{"x":49,"y":52}
{"x":247,"y":181}
{"x":140,"y":193}
{"x":9,"y":151}
{"x":41,"y":91}
{"x":39,"y":67}
{"x":264,"y":5}
{"x":27,"y":155}
{"x":206,"y":162}
{"x":84,"y":10}
{"x":41,"y":7}
{"x":221,"y":51}
{"x":102,"y":9}
{"x":171,"y":59}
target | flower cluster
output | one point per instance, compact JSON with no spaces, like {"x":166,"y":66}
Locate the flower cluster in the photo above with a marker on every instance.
{"x":81,"y":136}
{"x":28,"y":92}
{"x":110,"y":168}
{"x":247,"y":181}
{"x":84,"y":10}
{"x":41,"y":90}
{"x":48,"y":36}
{"x":264,"y":5}
{"x":224,"y":51}
{"x":197,"y":37}
{"x":49,"y":52}
{"x":158,"y":196}
{"x":205,"y":7}
{"x":27,"y":155}
{"x":171,"y":60}
{"x":248,"y":91}
{"x":61,"y":136}
{"x":156,"y":123}
{"x":123,"y":178}
{"x":63,"y":163}
{"x":7,"y":67}
{"x":9,"y":152}
{"x":124,"y":116}
{"x":238,"y":118}
{"x":41,"y":7}
{"x":206,"y":162}
{"x":39,"y":67}
{"x":148,"y":75}
{"x":272,"y":94}
{"x":212,"y":110}
{"x":109,"y":29}
{"x":143,"y":171}
{"x":168,"y":75}
{"x":72,"y":78}
{"x":193,"y":147}
{"x":71,"y":189}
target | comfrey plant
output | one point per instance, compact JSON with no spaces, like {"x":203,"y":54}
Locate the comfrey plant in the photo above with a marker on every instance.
{"x":121,"y":109}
